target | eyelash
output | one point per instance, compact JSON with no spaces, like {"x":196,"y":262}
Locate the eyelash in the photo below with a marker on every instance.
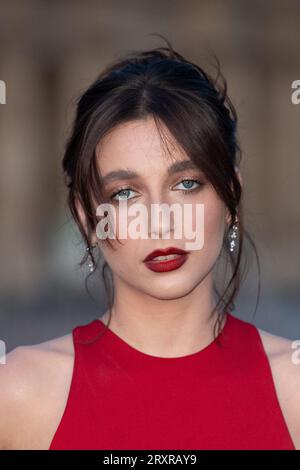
{"x":185,"y":191}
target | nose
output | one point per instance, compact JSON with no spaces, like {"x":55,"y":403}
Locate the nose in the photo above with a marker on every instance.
{"x":160,"y":219}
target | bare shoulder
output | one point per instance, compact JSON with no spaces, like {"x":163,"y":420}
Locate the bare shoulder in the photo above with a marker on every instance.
{"x":34,"y":385}
{"x":284,"y":359}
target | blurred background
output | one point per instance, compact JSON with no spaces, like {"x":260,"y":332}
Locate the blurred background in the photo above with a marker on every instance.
{"x":50,"y":51}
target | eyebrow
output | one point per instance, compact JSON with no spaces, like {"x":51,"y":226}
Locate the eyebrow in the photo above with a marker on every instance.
{"x":176,"y":167}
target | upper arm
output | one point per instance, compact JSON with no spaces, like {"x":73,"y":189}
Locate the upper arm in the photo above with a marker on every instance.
{"x":16,"y":385}
{"x":286,"y":375}
{"x":34,"y":386}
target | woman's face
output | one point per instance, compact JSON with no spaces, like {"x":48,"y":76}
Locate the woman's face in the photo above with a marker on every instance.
{"x":136,"y":146}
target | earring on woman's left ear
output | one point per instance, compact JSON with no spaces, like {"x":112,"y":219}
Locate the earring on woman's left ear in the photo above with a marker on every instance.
{"x":233,"y":235}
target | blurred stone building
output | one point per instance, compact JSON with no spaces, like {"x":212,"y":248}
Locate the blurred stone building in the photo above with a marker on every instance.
{"x":49,"y":52}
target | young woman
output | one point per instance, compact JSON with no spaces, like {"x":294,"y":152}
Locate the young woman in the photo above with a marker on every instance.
{"x":168,"y":366}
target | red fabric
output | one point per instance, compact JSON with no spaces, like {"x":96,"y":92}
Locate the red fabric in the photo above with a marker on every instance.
{"x":222,"y":397}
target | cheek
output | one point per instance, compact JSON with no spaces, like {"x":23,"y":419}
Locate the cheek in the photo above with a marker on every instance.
{"x":208,"y":219}
{"x":214,"y":225}
{"x":121,"y":257}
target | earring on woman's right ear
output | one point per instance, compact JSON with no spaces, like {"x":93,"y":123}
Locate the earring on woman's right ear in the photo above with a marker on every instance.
{"x":91,"y":264}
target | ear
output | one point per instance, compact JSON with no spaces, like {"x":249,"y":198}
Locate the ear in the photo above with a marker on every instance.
{"x":82,"y":218}
{"x":227,"y":216}
{"x":239,"y":176}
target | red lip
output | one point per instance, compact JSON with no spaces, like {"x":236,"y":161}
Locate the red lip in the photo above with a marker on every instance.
{"x":168,"y":251}
{"x":166,"y":265}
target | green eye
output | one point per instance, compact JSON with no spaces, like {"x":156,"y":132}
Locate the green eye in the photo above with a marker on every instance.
{"x":122,"y":195}
{"x":188,"y":184}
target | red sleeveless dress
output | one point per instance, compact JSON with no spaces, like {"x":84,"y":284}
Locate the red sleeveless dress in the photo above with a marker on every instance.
{"x":221,"y":397}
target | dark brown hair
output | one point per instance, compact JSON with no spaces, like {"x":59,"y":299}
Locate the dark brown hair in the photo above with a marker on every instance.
{"x":194,"y":107}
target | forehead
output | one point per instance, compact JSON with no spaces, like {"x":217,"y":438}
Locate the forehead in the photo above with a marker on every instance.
{"x":138,"y":145}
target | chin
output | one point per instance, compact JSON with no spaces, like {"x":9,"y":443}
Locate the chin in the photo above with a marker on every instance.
{"x":167,"y":291}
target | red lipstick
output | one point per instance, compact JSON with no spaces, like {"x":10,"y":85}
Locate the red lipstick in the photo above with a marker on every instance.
{"x":177,"y":258}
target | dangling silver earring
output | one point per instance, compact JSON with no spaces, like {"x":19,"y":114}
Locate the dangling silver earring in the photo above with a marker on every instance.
{"x":91,"y":263}
{"x":233,"y":235}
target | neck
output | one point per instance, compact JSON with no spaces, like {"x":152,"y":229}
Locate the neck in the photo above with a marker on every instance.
{"x":164,"y":328}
